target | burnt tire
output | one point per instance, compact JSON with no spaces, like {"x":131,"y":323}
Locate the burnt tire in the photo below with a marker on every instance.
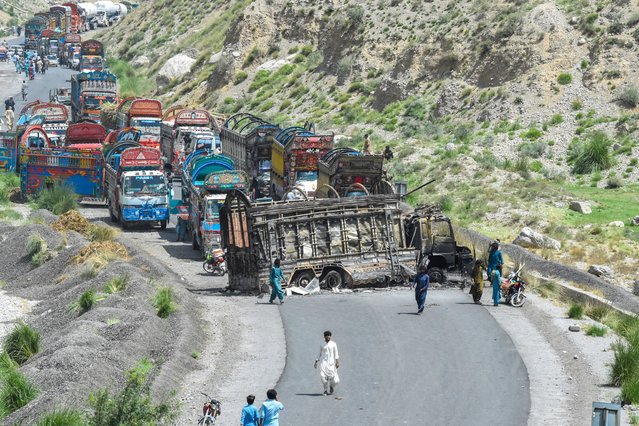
{"x":334,"y":279}
{"x":303,"y":278}
{"x":436,"y":275}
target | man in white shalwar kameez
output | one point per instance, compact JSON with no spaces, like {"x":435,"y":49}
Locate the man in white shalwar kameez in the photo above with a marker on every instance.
{"x":329,"y":363}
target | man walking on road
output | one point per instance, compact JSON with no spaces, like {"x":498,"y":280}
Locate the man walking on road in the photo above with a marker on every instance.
{"x":9,"y":107}
{"x":24,"y":90}
{"x":276,"y":279}
{"x":250,"y":415}
{"x":328,"y":360}
{"x":422,"y":280}
{"x":270,"y":410}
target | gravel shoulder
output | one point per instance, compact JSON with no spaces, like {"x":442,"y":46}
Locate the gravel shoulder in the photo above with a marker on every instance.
{"x":567,"y":370}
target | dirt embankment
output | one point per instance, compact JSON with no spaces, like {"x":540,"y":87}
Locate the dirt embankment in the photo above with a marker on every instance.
{"x":83,"y":352}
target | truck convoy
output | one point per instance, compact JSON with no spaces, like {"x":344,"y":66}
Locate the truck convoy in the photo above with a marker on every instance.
{"x":109,"y":13}
{"x":85,"y":137}
{"x":348,"y":241}
{"x":56,"y":121}
{"x":295,"y":154}
{"x":178,"y":125}
{"x":88,"y":16}
{"x":143,"y":114}
{"x":347,"y":172}
{"x":135,"y":185}
{"x":89,"y":91}
{"x":248,"y":140}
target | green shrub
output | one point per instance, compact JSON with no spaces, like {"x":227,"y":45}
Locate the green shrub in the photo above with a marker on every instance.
{"x":116,"y":284}
{"x":63,"y":417}
{"x":592,"y":155}
{"x":629,"y":96}
{"x":564,"y":78}
{"x":8,"y":182}
{"x":6,"y":364}
{"x":86,"y":300}
{"x":536,"y":166}
{"x":625,"y":365}
{"x":595,"y":330}
{"x":163,"y":302}
{"x":556,"y":119}
{"x":102,"y":233}
{"x":614,"y":183}
{"x":532,"y":134}
{"x":240,"y":77}
{"x":35,"y":244}
{"x":40,"y":258}
{"x":532,"y":149}
{"x":576,"y":311}
{"x":10,"y":214}
{"x":22,"y":343}
{"x":446,"y":203}
{"x":16,"y":391}
{"x":584,"y":64}
{"x":133,"y":404}
{"x":58,"y":200}
{"x":630,"y":391}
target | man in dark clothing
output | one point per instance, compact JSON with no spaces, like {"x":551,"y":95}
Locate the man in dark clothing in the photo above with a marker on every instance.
{"x":10,"y":104}
{"x":422,"y":280}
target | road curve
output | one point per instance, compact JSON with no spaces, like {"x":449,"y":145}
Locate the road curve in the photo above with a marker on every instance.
{"x":451,"y":366}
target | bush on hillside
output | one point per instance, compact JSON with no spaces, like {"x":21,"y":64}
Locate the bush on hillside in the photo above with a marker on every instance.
{"x":564,"y":78}
{"x":16,"y":391}
{"x":591,"y":155}
{"x":22,"y":343}
{"x":629,"y":96}
{"x":133,"y":405}
{"x":163,"y":302}
{"x":63,"y":417}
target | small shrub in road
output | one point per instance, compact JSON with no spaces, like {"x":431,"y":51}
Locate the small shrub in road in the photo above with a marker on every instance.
{"x":58,"y":200}
{"x":35,"y":244}
{"x":163,"y":302}
{"x":22,"y":343}
{"x":595,"y":330}
{"x":116,"y":284}
{"x":576,"y":311}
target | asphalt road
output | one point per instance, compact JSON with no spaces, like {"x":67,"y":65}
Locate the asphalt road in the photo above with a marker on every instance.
{"x":451,"y":366}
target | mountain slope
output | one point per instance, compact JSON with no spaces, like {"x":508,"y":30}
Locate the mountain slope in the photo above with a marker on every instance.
{"x":516,"y":107}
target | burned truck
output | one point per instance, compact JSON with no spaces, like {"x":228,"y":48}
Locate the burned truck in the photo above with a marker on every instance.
{"x":350,"y":241}
{"x":432,"y":234}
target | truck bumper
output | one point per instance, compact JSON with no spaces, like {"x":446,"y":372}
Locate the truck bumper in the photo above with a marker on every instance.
{"x":151,"y":214}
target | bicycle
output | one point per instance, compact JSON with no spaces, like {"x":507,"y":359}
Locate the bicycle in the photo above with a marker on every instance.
{"x":210,"y":411}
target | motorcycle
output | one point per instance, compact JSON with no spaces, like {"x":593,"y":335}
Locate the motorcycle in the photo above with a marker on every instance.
{"x":513,"y":289}
{"x":210,"y":411}
{"x":215,"y":262}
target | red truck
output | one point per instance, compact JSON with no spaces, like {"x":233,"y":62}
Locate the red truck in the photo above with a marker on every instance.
{"x":75,"y":18}
{"x":85,"y":137}
{"x":143,"y":114}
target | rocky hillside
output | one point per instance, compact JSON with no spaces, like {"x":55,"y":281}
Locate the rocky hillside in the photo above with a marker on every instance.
{"x":516,"y":107}
{"x":15,"y":12}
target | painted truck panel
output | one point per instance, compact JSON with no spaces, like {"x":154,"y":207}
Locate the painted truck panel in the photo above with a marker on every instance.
{"x":8,"y":152}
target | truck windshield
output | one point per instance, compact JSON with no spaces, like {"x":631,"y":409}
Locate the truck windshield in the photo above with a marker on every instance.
{"x":212,"y":209}
{"x":306,"y":176}
{"x":144,"y":185}
{"x":150,"y":127}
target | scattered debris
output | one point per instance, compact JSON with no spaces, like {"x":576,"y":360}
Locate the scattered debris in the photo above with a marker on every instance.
{"x":297,"y":290}
{"x":313,"y":286}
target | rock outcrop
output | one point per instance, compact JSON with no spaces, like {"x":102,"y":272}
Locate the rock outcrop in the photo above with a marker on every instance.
{"x":580,"y":207}
{"x":529,"y":238}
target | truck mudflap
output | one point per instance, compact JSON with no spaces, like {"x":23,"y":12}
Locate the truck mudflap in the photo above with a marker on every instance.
{"x":145,"y":214}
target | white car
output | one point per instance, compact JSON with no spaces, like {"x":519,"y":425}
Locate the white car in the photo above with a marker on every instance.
{"x":53,"y":60}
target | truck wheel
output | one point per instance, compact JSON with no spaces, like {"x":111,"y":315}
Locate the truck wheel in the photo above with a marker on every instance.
{"x":304,"y":278}
{"x":333,"y":279}
{"x":163,"y":224}
{"x":436,"y":275}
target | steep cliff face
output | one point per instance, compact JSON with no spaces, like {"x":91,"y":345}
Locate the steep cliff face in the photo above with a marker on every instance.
{"x":15,"y":12}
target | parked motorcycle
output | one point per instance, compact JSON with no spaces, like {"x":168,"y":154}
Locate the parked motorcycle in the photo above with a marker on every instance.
{"x":513,"y":289}
{"x":210,"y":411}
{"x":215,"y":262}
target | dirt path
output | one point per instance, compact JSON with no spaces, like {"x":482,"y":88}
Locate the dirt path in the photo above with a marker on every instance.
{"x":244,"y":348}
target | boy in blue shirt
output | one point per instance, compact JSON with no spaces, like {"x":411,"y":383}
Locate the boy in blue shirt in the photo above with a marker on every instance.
{"x":250,"y":415}
{"x":270,"y":411}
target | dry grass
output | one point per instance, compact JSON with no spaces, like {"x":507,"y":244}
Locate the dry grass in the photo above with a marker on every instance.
{"x":71,"y":221}
{"x":101,"y":252}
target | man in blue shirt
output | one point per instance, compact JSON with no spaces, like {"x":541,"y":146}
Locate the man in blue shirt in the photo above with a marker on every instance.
{"x":276,"y":279}
{"x":270,"y":410}
{"x":250,"y":415}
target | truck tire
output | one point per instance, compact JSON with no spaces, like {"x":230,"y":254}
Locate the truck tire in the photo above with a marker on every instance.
{"x":334,"y":279}
{"x":163,"y":224}
{"x":436,"y":275}
{"x":303,"y":278}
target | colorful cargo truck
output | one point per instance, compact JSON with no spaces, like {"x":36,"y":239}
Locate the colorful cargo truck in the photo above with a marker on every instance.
{"x":91,"y":56}
{"x":56,"y":121}
{"x":43,"y":166}
{"x":134,"y":184}
{"x":248,"y":140}
{"x":85,"y":137}
{"x":143,"y":114}
{"x":294,"y":162}
{"x":206,"y":180}
{"x":178,"y":124}
{"x":8,"y":152}
{"x":347,"y":172}
{"x":89,"y":90}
